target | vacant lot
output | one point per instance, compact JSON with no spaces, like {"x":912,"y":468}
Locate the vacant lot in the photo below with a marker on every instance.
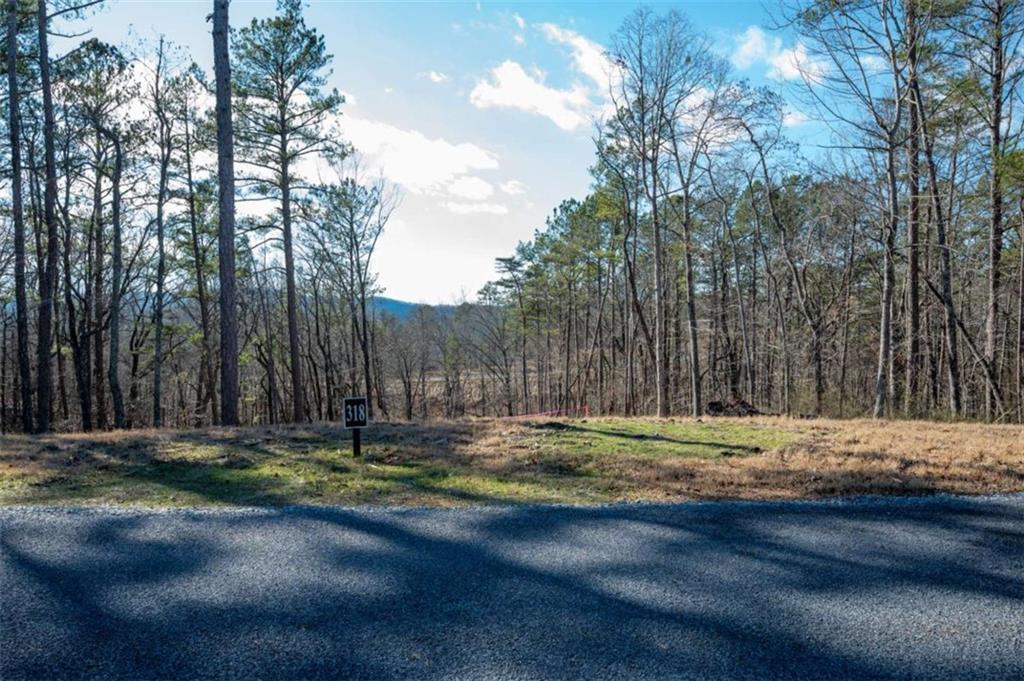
{"x":508,"y":461}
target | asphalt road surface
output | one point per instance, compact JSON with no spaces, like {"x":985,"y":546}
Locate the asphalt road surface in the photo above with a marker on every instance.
{"x":911,"y":588}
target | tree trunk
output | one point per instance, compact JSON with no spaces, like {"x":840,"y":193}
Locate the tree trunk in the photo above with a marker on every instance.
{"x":1020,"y":317}
{"x":199,"y":259}
{"x":99,"y":396}
{"x":161,"y":258}
{"x":79,"y":345}
{"x":48,"y":284}
{"x":696,"y":406}
{"x":20,"y":296}
{"x":294,"y":351}
{"x":913,"y":339}
{"x":744,"y":331}
{"x":226,"y":230}
{"x":888,"y":282}
{"x":945,"y":267}
{"x":995,"y":250}
{"x":660,"y":330}
{"x":269,"y":361}
{"x":115,"y":285}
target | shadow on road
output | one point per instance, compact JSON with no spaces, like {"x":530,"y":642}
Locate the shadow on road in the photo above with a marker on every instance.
{"x":882,"y":589}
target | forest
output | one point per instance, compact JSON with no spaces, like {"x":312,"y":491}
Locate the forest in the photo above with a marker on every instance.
{"x":715,"y":261}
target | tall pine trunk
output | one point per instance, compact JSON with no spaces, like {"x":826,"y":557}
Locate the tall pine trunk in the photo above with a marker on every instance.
{"x":116,"y":272}
{"x":294,"y":351}
{"x":98,"y":311}
{"x":44,"y":373}
{"x":995,"y":250}
{"x":17,"y":211}
{"x":226,"y":228}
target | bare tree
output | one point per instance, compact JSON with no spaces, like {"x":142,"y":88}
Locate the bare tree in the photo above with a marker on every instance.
{"x":660,"y":64}
{"x":158,"y":99}
{"x":348,"y":217}
{"x":854,"y":76}
{"x":989,"y":38}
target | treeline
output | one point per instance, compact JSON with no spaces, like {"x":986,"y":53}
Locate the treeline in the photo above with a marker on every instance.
{"x":883,"y":275}
{"x":130,"y":294}
{"x":712,"y":261}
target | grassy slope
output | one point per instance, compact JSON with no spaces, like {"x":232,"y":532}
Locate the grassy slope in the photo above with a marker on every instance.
{"x":508,"y":461}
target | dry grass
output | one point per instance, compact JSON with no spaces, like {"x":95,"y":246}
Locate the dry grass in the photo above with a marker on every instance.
{"x":849,"y":458}
{"x":512,"y":461}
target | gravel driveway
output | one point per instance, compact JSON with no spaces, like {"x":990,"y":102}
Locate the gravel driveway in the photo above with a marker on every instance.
{"x":920,"y":588}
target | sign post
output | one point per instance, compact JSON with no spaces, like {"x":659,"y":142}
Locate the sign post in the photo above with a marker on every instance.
{"x":356,"y":415}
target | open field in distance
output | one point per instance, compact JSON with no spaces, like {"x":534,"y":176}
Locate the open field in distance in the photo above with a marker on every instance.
{"x":488,"y":461}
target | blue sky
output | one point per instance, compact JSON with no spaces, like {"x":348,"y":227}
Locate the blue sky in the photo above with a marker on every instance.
{"x":482,"y":114}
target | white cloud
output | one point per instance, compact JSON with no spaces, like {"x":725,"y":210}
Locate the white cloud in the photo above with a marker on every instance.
{"x":472,"y":208}
{"x":794,"y":64}
{"x":473,"y":188}
{"x":874,"y":64}
{"x":510,"y":86}
{"x":435,"y":76}
{"x":513,"y":187}
{"x":588,"y":57}
{"x":421,"y":164}
{"x":520,"y":22}
{"x":519,"y":39}
{"x":754,"y":46}
{"x":794,"y":118}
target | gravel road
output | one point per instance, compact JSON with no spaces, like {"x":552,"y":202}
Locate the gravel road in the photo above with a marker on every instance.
{"x":901,"y":588}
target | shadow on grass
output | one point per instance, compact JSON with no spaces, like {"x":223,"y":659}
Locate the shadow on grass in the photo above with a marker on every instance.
{"x":312,"y":464}
{"x":274,"y":466}
{"x":560,"y":427}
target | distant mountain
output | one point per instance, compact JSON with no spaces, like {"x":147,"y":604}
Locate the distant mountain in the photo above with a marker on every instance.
{"x":402,"y":309}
